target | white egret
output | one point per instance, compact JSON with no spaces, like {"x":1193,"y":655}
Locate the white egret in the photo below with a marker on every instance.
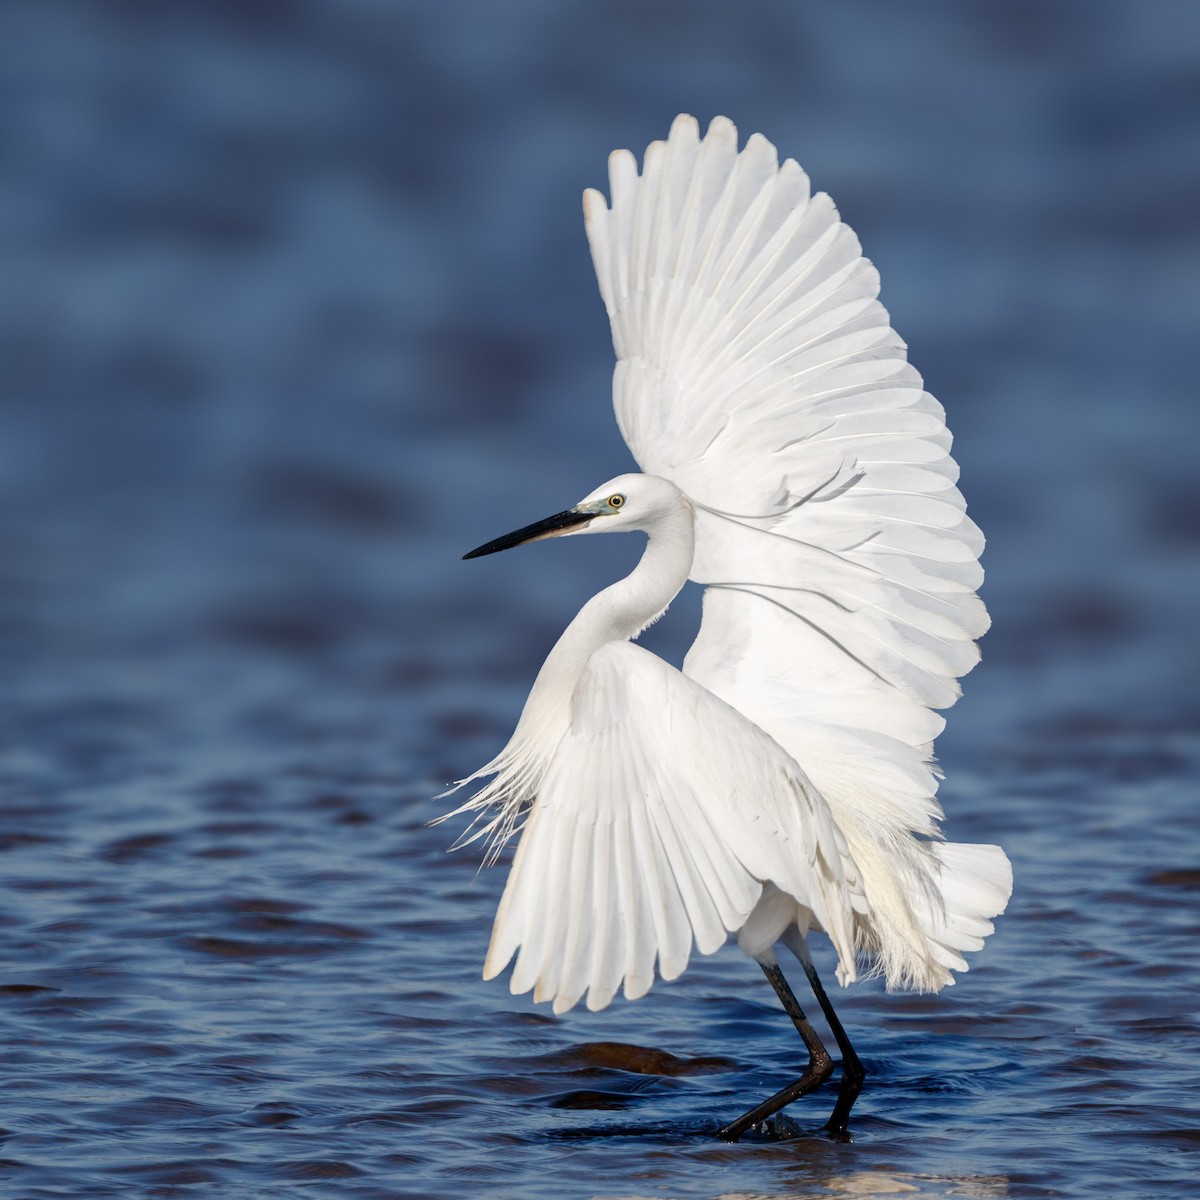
{"x":783,"y":782}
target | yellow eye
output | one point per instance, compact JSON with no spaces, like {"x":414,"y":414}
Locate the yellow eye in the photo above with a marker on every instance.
{"x":616,"y":501}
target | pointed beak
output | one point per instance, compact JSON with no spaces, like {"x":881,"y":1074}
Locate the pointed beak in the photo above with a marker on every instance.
{"x":553,"y":526}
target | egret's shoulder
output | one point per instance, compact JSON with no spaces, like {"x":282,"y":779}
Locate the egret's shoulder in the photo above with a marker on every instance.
{"x":627,"y":658}
{"x":624,"y":683}
{"x":620,"y":678}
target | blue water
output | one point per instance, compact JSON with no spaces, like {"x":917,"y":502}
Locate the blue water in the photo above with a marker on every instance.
{"x":295,"y":307}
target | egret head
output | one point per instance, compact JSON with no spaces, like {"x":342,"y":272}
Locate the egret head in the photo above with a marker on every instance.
{"x":628,"y":502}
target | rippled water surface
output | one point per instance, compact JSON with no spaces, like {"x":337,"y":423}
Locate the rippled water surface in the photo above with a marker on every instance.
{"x":295,"y":309}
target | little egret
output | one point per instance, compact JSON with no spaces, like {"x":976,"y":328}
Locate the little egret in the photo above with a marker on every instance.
{"x":783,"y":782}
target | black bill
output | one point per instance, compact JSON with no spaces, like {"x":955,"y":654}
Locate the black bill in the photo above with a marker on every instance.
{"x":532,"y":533}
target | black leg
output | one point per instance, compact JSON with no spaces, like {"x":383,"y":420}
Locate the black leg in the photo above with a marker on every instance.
{"x":819,"y":1063}
{"x":853,"y":1072}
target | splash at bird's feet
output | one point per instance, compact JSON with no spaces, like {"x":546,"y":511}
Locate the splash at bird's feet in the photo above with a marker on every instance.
{"x":778,"y":1128}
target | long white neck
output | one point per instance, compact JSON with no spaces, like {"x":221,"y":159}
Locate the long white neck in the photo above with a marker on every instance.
{"x":616,"y":614}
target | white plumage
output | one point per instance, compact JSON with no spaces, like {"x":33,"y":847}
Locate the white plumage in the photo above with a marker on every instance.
{"x":652,"y":856}
{"x":796,"y":467}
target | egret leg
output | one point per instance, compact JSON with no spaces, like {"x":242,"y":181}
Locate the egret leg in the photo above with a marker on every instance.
{"x":819,"y":1068}
{"x":853,"y":1072}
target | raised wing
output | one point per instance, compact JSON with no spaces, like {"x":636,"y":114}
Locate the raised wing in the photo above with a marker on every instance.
{"x":758,"y":371}
{"x":659,"y":821}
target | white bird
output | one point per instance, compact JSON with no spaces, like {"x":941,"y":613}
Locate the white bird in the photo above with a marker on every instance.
{"x":783,"y":782}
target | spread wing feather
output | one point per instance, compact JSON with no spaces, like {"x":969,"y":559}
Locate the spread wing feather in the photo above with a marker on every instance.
{"x":668,"y":812}
{"x":758,"y":371}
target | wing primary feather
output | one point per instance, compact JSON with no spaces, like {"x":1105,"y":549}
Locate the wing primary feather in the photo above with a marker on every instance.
{"x":710,"y":240}
{"x":604,"y":973}
{"x":643,"y":218}
{"x":900,"y":372}
{"x":772,"y":253}
{"x":639,"y":951}
{"x":806,"y":303}
{"x":649,"y":855}
{"x":934,"y":597}
{"x":748,"y":229}
{"x":628,"y":882}
{"x":675,"y":946}
{"x":573,"y":959}
{"x":595,"y":219}
{"x":747,"y":585}
{"x":541,"y":929}
{"x":603,"y":896}
{"x":511,"y":915}
{"x":701,"y":915}
{"x":706,"y":150}
{"x":710,"y":864}
{"x":851,"y":359}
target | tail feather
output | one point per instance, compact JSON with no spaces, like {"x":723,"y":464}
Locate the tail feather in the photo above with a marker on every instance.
{"x":975,"y":883}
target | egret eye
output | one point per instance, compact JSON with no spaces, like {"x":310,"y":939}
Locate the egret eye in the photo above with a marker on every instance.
{"x":616,"y":501}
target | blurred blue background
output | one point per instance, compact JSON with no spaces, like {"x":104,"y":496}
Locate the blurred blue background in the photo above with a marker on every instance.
{"x":292,"y":290}
{"x":296,"y":307}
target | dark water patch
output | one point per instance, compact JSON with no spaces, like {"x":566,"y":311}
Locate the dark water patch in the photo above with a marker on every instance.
{"x":591,"y":1098}
{"x":1183,"y":878}
{"x":147,"y":1050}
{"x":50,"y":885}
{"x":236,"y":795}
{"x":1163,"y":1025}
{"x":148,"y":1110}
{"x":66,"y":1005}
{"x":316,"y":1169}
{"x":667,"y":1134}
{"x":16,"y":841}
{"x":240,"y":948}
{"x":263,"y":904}
{"x":271,"y":923}
{"x":221,"y":852}
{"x":137,"y":846}
{"x":174,"y":1175}
{"x":641,"y":1060}
{"x":401,"y":1119}
{"x":233,"y":829}
{"x":1184,"y":1139}
{"x":271,"y":1115}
